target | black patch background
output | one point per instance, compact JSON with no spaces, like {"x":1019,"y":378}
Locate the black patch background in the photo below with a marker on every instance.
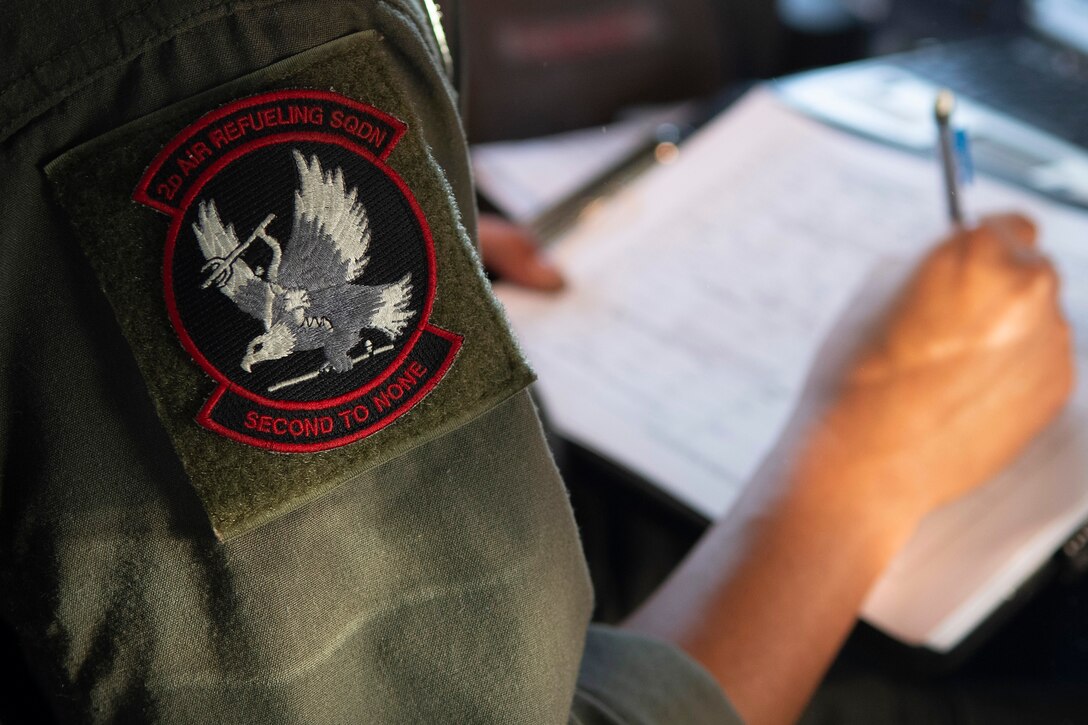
{"x":264,"y":181}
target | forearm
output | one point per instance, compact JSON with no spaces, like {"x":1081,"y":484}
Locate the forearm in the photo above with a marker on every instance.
{"x":767,"y":597}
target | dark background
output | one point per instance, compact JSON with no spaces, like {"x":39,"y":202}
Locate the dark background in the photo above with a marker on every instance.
{"x":534,"y":67}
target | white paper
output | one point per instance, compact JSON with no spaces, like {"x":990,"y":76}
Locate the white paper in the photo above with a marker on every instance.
{"x":698,"y":298}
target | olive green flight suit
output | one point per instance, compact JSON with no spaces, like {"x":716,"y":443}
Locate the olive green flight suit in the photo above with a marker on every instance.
{"x":430,"y":573}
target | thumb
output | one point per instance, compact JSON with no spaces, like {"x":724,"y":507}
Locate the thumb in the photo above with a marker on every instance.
{"x":1015,"y":228}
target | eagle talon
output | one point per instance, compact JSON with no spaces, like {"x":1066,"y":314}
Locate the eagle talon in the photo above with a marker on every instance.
{"x":341,"y":363}
{"x":221,"y":272}
{"x":336,"y":366}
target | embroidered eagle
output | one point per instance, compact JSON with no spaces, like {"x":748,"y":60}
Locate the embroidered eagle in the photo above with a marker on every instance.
{"x":308,"y":298}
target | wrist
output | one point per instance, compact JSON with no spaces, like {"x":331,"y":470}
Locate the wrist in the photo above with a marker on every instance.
{"x":846,"y":476}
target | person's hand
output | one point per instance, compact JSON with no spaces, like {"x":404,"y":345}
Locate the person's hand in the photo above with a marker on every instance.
{"x":509,"y":251}
{"x":974,"y":360}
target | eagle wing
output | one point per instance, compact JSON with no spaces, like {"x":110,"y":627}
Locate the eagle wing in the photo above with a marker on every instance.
{"x":245,"y":289}
{"x":384,"y":307}
{"x":331,"y":232}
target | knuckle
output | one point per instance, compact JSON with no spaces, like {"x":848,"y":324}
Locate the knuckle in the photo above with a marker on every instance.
{"x":1043,"y":277}
{"x":1052,"y":281}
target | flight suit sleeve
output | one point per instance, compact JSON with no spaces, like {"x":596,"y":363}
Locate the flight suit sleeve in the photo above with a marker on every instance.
{"x":219,"y":506}
{"x":628,"y":678}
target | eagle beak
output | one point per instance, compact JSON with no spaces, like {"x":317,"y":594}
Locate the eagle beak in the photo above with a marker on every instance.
{"x":247,"y":366}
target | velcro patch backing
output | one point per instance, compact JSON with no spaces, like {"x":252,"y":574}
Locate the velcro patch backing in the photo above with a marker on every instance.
{"x":288,"y":265}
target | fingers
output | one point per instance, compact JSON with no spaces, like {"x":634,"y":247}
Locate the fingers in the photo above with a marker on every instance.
{"x":1009,"y":232}
{"x":1010,"y":240}
{"x":510,"y":252}
{"x":1012,"y":227}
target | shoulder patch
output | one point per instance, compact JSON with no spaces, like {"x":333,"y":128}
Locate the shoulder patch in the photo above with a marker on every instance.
{"x":299,"y":270}
{"x":285,"y":257}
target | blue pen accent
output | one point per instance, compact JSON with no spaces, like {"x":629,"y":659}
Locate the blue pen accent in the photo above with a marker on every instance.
{"x":965,"y":166}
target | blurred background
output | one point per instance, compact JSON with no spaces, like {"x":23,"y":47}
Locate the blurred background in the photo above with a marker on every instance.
{"x":537,"y":67}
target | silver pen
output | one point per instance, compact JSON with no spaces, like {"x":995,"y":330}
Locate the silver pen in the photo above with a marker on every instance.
{"x":946,"y":103}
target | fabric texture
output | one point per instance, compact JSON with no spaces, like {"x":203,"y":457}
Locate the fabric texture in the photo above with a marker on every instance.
{"x":441,"y":582}
{"x":626,"y":678}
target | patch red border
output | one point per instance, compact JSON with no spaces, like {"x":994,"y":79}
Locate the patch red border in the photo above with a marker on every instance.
{"x":159,"y":188}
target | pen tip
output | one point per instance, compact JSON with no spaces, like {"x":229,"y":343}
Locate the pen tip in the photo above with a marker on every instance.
{"x":946,"y":101}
